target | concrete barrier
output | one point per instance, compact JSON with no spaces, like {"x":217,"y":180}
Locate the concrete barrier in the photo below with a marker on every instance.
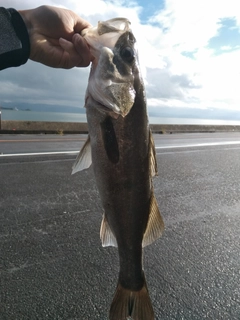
{"x":42,"y":127}
{"x":7,"y":126}
{"x":179,"y":128}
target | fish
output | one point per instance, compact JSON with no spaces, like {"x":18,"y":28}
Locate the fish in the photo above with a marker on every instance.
{"x":121,"y":149}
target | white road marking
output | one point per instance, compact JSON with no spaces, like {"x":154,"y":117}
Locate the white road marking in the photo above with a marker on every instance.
{"x":222,"y":143}
{"x":195,"y":150}
{"x":193,"y":145}
{"x":37,"y":153}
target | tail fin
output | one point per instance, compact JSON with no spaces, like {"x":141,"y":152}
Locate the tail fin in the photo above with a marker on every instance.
{"x":131,"y":305}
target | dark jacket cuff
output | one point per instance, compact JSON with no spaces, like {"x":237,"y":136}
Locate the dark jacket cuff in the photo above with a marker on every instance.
{"x":15,"y":45}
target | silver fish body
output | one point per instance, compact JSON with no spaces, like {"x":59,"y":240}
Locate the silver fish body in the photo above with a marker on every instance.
{"x":123,"y":158}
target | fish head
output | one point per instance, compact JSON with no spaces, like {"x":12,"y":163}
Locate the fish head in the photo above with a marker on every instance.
{"x":111,"y":80}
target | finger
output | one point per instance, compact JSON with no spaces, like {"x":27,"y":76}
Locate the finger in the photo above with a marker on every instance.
{"x":81,"y":24}
{"x":74,"y":59}
{"x":66,"y":45}
{"x":82,"y":48}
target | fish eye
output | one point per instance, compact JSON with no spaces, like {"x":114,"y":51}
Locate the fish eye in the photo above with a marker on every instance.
{"x":127,"y":54}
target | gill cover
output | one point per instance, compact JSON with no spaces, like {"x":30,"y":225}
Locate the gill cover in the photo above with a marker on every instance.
{"x":111,"y":80}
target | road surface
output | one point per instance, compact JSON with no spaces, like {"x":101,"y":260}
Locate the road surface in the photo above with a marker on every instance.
{"x":52,"y":265}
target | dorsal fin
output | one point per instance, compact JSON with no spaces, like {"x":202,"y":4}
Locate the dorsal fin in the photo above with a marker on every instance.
{"x":84,"y":158}
{"x":155,"y":224}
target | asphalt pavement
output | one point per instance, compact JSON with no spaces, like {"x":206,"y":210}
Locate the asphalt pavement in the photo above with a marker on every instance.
{"x":52,"y":264}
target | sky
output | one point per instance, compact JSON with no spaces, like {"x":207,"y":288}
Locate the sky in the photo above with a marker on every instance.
{"x":189,"y":54}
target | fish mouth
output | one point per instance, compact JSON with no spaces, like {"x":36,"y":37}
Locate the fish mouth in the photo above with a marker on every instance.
{"x":119,"y":25}
{"x":112,"y":90}
{"x":106,"y":33}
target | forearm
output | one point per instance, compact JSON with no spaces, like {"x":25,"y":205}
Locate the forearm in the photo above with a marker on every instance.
{"x":14,"y":39}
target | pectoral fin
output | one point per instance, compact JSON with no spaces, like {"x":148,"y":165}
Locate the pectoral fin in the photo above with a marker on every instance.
{"x":155,"y":224}
{"x":106,"y":234}
{"x":152,"y":156}
{"x":84,"y":158}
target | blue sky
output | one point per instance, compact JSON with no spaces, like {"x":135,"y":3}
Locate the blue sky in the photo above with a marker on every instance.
{"x":150,"y":9}
{"x":228,"y":37}
{"x":189,"y":54}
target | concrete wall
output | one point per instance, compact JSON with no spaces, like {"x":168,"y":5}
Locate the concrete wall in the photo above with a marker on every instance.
{"x":43,"y":127}
{"x":76,"y":127}
{"x":175,"y":128}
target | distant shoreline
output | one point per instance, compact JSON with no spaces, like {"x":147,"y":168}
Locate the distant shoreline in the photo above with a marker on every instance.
{"x":8,"y":126}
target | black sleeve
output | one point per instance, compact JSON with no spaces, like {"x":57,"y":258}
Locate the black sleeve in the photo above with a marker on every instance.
{"x":14,"y":39}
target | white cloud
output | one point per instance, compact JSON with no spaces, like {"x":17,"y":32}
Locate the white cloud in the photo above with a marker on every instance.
{"x":187,"y":27}
{"x":226,"y":48}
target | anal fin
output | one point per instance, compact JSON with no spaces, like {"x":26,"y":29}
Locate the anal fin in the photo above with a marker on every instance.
{"x":106,"y":234}
{"x":155,"y":224}
{"x":84,"y":158}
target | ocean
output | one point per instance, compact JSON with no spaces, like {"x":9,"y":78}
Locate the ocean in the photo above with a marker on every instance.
{"x":80,"y":117}
{"x":43,"y":116}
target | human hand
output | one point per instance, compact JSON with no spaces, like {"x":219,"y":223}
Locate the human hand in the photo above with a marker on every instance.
{"x":55,"y":38}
